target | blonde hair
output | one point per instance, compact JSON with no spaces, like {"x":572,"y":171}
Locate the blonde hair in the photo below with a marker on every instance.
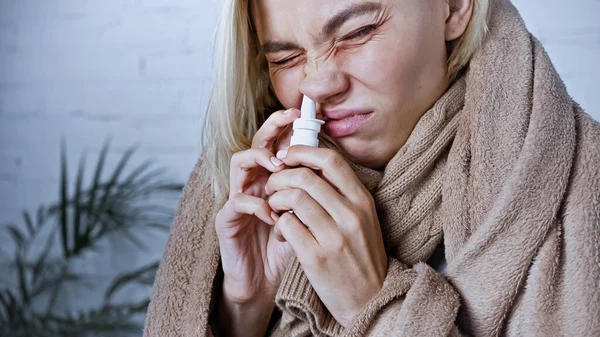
{"x":242,"y":95}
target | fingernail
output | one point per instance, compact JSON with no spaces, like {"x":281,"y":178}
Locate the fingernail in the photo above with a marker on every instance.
{"x":276,"y":161}
{"x":274,"y":216}
{"x":281,"y":154}
{"x":288,"y":111}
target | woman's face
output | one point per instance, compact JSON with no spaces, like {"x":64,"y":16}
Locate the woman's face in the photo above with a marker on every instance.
{"x":373,"y":67}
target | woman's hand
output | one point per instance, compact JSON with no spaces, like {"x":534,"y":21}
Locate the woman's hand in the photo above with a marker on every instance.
{"x":253,"y":260}
{"x":334,"y":230}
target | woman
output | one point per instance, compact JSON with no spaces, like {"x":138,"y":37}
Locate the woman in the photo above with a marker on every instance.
{"x":456,"y":191}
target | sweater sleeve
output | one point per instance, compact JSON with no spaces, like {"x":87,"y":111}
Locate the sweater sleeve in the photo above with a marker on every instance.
{"x":415,"y":301}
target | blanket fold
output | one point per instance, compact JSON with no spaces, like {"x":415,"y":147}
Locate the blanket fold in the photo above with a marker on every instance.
{"x":504,"y":171}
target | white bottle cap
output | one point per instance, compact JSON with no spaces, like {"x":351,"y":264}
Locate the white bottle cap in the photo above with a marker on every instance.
{"x":307,"y":127}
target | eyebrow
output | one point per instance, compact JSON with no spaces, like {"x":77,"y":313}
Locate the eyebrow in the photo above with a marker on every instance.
{"x":352,"y":11}
{"x":330,"y":27}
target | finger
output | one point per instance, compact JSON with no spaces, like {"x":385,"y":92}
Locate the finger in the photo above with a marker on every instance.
{"x":278,"y":234}
{"x":272,"y":127}
{"x":242,"y":162}
{"x":276,"y":230}
{"x":283,"y":141}
{"x":333,"y":166}
{"x":308,"y":211}
{"x":320,"y":190}
{"x":241,"y":205}
{"x":297,"y":235}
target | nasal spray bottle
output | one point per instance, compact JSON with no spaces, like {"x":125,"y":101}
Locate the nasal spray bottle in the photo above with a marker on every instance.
{"x":307,"y":127}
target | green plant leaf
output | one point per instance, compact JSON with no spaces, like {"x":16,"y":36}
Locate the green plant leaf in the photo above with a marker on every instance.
{"x":112,"y":188}
{"x":76,"y":203}
{"x":121,"y":204}
{"x":17,"y":236}
{"x":112,"y":182}
{"x":41,"y":216}
{"x":136,"y":277}
{"x":28,"y":223}
{"x":148,"y":177}
{"x":63,"y":201}
{"x":93,"y":191}
{"x":137,"y":171}
{"x":6,"y":304}
{"x":172,"y":187}
{"x":53,"y":283}
{"x":107,"y":319}
{"x":22,"y":279}
{"x":12,"y":309}
{"x":159,"y":226}
{"x":131,"y":238}
{"x":40,"y":264}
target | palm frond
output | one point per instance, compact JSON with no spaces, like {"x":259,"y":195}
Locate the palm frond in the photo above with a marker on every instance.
{"x":81,"y":219}
{"x":64,"y":200}
{"x":144,"y":276}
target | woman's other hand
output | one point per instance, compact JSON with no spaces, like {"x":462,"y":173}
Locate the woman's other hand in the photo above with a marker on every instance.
{"x":253,"y":259}
{"x":334,"y":229}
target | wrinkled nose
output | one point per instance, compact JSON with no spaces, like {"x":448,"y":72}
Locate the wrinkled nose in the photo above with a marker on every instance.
{"x":323,"y":81}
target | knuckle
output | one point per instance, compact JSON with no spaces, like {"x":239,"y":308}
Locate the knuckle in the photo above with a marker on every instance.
{"x":353,"y":223}
{"x":264,"y":207}
{"x":365,"y":199}
{"x":299,"y":196}
{"x":333,"y":159}
{"x":315,"y":259}
{"x":305,"y":176}
{"x":225,"y":211}
{"x":273,"y":117}
{"x":337,"y":243}
{"x":272,"y":122}
{"x":265,"y":127}
{"x":286,"y":219}
{"x":236,"y":157}
{"x":235,"y":201}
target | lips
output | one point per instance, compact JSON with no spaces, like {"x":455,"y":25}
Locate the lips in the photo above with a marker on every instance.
{"x":341,"y":114}
{"x":343,"y":123}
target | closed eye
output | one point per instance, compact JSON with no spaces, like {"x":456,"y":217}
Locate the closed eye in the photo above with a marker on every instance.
{"x":285,"y":61}
{"x":361,"y":32}
{"x":357,"y":34}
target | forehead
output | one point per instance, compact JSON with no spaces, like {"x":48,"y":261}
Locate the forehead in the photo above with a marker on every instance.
{"x":276,"y":18}
{"x":292,"y":7}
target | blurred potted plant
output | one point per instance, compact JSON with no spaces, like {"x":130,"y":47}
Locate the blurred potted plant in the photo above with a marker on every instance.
{"x":49,"y":242}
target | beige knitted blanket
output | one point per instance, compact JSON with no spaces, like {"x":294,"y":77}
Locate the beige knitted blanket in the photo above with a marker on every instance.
{"x":504,"y":170}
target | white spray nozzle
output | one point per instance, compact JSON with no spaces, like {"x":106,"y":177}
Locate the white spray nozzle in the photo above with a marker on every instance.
{"x":307,"y":127}
{"x":308,"y":109}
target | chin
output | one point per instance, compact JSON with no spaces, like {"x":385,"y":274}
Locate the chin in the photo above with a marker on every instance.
{"x":367,"y":153}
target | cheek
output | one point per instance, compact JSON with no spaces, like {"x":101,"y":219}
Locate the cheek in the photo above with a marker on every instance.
{"x":400,"y":59}
{"x":287,"y":86}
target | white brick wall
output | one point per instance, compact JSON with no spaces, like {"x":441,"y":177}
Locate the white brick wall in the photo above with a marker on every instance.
{"x":134,"y":70}
{"x":138,"y":71}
